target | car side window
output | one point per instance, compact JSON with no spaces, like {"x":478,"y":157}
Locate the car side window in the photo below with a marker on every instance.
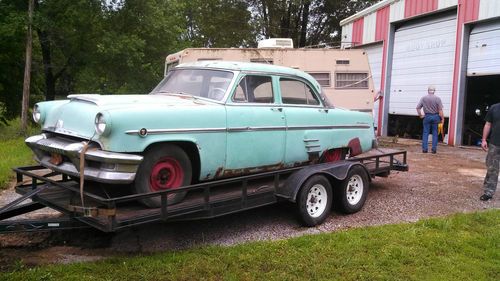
{"x":254,"y":89}
{"x":297,"y":92}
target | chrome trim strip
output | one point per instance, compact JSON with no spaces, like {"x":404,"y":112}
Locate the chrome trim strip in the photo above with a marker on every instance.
{"x":311,"y":146}
{"x":329,"y":127}
{"x":254,"y":129}
{"x":248,"y":129}
{"x":176,"y":131}
{"x":310,"y":140}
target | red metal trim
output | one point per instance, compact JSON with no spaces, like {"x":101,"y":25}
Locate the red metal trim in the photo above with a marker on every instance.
{"x":468,"y":10}
{"x":418,"y":7}
{"x":357,"y":31}
{"x":382,"y":29}
{"x":382,"y":26}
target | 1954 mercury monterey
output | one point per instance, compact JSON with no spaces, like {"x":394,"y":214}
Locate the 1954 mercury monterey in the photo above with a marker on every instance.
{"x":204,"y":121}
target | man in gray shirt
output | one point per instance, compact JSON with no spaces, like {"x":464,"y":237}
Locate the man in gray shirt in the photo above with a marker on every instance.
{"x":433,"y":115}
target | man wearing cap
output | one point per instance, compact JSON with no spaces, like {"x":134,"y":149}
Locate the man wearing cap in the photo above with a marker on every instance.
{"x":433,"y":115}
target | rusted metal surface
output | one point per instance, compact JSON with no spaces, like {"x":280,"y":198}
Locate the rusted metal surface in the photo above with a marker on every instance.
{"x":355,"y":147}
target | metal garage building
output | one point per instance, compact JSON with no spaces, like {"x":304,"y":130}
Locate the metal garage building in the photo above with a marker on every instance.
{"x":452,"y":44}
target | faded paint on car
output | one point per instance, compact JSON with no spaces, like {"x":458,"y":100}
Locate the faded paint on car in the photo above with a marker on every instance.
{"x":230,"y":138}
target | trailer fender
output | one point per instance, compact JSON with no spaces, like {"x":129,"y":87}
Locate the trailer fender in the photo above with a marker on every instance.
{"x":337,"y":170}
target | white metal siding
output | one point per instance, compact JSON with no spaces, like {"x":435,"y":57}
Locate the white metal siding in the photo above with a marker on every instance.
{"x":369,"y":25}
{"x":347,"y":35}
{"x":484,"y":49}
{"x":442,"y":4}
{"x":489,"y":9}
{"x":374,"y":53}
{"x":423,"y":55}
{"x":397,"y":11}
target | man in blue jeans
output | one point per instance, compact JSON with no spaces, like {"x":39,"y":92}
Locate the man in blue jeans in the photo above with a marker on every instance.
{"x":433,"y":115}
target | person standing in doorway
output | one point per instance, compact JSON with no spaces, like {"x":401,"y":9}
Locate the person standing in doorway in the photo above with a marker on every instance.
{"x":433,"y":115}
{"x":492,"y":125}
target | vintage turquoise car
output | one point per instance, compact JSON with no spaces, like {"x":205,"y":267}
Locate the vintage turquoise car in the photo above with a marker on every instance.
{"x":204,"y":121}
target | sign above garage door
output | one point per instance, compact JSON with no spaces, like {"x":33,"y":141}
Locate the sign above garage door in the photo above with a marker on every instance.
{"x":423,"y":55}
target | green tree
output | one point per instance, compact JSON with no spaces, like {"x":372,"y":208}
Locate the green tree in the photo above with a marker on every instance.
{"x":129,"y":56}
{"x":218,"y":23}
{"x":12,"y":41}
{"x":307,"y":22}
{"x":67,"y":32}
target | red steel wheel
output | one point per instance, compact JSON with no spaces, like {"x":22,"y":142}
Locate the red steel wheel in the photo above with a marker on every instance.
{"x":167,"y":173}
{"x":333,"y":155}
{"x":164,"y":167}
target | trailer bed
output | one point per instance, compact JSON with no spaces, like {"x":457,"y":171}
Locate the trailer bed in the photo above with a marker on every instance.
{"x":113,"y":209}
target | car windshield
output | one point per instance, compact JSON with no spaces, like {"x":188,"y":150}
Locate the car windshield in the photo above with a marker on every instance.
{"x":205,"y":83}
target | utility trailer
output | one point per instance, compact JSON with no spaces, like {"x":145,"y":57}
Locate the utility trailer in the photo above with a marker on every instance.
{"x":312,"y":188}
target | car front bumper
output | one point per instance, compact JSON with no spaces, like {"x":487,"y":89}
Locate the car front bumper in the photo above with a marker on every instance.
{"x":101,"y":166}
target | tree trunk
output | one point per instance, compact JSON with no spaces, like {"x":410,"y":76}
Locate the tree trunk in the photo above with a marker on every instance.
{"x":50,"y":82}
{"x":27,"y":71}
{"x":305,"y":21}
{"x":265,"y":16}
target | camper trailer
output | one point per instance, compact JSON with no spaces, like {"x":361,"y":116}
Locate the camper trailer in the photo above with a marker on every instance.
{"x":344,"y":75}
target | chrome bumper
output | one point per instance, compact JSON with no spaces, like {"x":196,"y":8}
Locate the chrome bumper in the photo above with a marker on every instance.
{"x":100,"y":166}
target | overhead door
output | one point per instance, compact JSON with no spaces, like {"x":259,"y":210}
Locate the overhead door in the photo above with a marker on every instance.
{"x":484,"y":49}
{"x":374,"y":53}
{"x":423,"y":55}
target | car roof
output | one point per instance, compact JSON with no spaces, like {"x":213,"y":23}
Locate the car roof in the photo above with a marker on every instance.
{"x":251,"y":67}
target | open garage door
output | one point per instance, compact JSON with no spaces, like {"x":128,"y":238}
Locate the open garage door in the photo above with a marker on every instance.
{"x":483,"y":79}
{"x":423,"y":55}
{"x":374,"y":53}
{"x":484,"y":49}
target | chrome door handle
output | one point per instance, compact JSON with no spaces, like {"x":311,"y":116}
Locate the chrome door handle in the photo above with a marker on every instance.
{"x":280,"y":109}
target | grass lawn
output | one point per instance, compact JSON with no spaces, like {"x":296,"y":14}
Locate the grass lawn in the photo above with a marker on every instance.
{"x":13,"y":151}
{"x":459,"y":247}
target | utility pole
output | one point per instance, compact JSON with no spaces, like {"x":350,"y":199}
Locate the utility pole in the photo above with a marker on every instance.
{"x":27,"y":71}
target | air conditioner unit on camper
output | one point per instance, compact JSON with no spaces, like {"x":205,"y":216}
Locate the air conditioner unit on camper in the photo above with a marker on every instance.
{"x":276,"y":43}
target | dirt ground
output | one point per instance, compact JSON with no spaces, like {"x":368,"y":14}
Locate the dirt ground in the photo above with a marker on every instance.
{"x":436,"y":185}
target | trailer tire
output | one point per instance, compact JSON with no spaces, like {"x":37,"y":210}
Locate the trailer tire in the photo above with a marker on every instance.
{"x":350,"y":195}
{"x":164,"y":167}
{"x":314,"y":200}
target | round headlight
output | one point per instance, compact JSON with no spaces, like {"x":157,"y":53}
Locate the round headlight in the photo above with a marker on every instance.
{"x":100,"y":123}
{"x":37,"y":115}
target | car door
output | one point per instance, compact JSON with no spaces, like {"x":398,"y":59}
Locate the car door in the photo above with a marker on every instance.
{"x":255,"y":127}
{"x":308,"y":131}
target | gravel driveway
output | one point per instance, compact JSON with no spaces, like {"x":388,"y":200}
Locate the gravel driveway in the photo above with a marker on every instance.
{"x":436,"y":185}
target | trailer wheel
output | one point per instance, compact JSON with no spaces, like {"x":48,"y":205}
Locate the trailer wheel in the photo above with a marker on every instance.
{"x":314,"y":200}
{"x":164,"y":167}
{"x":350,"y":196}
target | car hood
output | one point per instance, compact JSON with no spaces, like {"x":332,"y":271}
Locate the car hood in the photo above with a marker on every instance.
{"x":75,"y":117}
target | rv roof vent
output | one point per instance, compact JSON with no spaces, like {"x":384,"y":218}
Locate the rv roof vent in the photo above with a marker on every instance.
{"x":276,"y":43}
